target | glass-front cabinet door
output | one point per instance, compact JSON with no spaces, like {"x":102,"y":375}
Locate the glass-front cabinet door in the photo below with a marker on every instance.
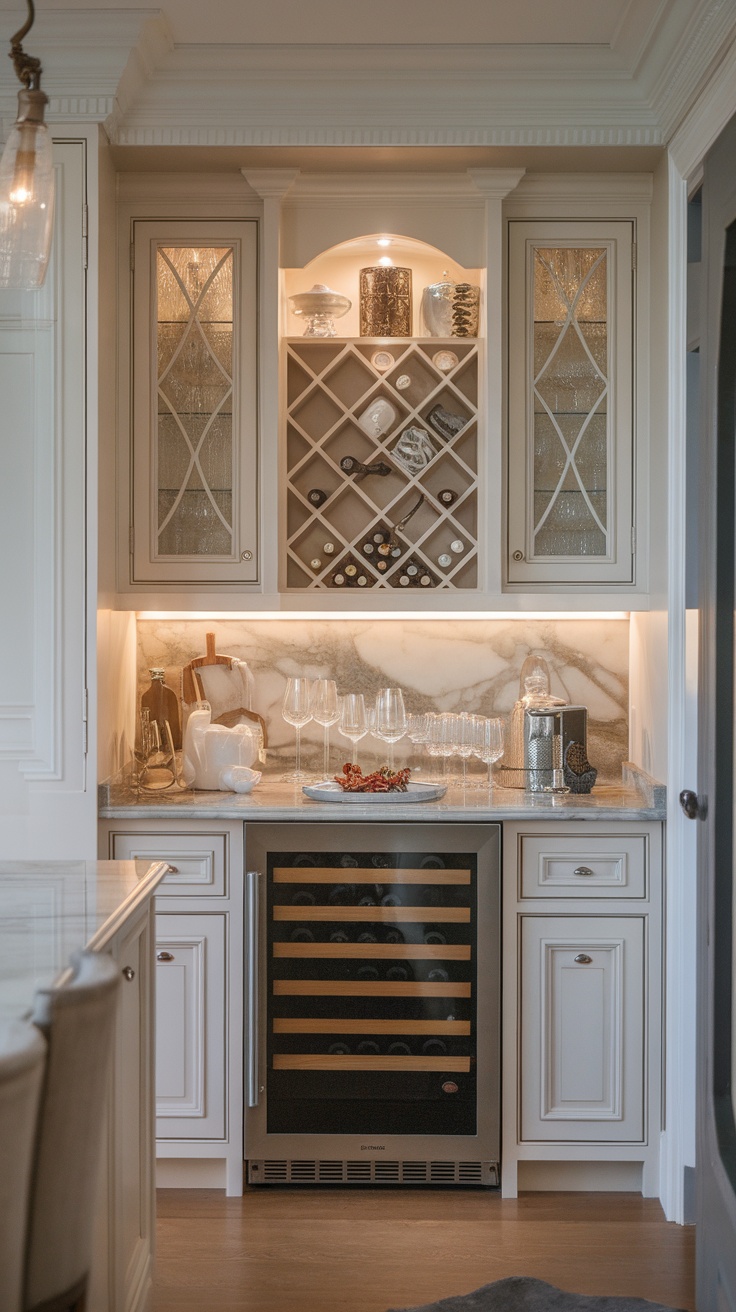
{"x":570,"y":412}
{"x":195,"y":500}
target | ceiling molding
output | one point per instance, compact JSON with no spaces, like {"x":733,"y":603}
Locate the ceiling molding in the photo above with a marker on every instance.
{"x":122,"y":68}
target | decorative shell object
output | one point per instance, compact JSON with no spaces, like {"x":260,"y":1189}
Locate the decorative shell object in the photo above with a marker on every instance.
{"x":451,"y":309}
{"x":319,"y":307}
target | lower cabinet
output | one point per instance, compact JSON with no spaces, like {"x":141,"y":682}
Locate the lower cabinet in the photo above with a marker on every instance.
{"x":582,"y":1005}
{"x":190,"y":1026}
{"x":582,"y":1028}
{"x":199,"y":995}
{"x":123,"y":1268}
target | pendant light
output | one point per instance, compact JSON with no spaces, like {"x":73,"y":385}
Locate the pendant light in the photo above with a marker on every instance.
{"x":26,"y":178}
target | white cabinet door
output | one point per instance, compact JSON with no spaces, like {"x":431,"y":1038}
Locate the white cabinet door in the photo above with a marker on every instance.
{"x":190,"y":1026}
{"x":123,"y":1267}
{"x":195,"y":466}
{"x":582,"y":1028}
{"x":570,"y":444}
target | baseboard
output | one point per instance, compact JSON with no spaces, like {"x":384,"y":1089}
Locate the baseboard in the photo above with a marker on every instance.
{"x":190,"y":1173}
{"x":585,"y":1177}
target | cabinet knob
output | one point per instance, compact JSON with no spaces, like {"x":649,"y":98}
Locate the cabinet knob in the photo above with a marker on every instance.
{"x":246,"y":555}
{"x":128,"y":972}
{"x":164,"y":956}
{"x":172,"y":870}
{"x":517,"y":555}
{"x":582,"y":871}
{"x":583,"y":959}
{"x":692,"y":805}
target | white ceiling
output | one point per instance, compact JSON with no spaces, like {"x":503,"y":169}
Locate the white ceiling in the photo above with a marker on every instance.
{"x":378,"y":22}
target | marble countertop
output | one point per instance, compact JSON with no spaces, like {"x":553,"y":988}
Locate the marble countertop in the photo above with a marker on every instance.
{"x":639,"y":797}
{"x":51,"y":909}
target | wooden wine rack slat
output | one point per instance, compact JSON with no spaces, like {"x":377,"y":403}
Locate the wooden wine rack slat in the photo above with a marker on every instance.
{"x":395,"y":951}
{"x":369,"y":989}
{"x":368,"y":875}
{"x":329,"y":384}
{"x":433,"y":915}
{"x":288,"y":1061}
{"x":310,"y":1026}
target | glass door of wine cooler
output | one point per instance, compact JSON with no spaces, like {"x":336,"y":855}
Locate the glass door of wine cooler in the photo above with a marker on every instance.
{"x":374,"y":978}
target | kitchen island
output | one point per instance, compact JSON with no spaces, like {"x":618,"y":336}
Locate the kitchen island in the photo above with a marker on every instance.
{"x":48,"y":911}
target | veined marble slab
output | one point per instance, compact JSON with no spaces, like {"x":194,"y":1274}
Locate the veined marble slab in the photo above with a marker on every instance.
{"x":442,"y":665}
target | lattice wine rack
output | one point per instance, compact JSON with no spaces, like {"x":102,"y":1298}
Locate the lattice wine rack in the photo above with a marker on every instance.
{"x":397,"y":506}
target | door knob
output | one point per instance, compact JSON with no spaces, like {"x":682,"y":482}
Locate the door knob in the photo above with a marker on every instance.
{"x":691,"y":805}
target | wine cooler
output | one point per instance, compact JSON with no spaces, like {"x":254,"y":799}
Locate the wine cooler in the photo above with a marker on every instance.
{"x":373,"y":1003}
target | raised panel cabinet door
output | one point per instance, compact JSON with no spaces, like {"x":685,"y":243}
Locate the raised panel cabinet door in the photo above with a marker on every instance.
{"x":195,"y":458}
{"x":582,"y":1029}
{"x":190,"y":1026}
{"x":570,"y":443}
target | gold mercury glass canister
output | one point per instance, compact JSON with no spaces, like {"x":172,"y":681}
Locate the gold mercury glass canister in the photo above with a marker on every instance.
{"x":385,"y":301}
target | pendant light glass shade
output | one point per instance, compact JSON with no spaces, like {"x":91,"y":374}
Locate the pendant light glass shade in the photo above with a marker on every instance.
{"x":26,"y":196}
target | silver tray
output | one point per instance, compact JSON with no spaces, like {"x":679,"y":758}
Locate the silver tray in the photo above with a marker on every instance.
{"x":329,"y":792}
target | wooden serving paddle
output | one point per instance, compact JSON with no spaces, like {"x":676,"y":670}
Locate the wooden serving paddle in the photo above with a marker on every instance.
{"x":191,"y":689}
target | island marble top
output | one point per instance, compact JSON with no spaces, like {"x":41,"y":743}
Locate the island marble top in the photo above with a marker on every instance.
{"x":639,"y":797}
{"x":51,"y":909}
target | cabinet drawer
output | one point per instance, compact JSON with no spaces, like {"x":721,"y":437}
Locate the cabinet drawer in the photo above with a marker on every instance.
{"x":602,"y":866}
{"x":199,"y":860}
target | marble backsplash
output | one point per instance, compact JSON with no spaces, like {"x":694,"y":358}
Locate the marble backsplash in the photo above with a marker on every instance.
{"x":450,"y":665}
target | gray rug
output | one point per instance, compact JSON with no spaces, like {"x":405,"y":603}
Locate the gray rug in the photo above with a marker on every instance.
{"x":523,"y":1294}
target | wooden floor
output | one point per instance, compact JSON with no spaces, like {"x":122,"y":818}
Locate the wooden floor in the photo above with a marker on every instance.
{"x":329,"y":1250}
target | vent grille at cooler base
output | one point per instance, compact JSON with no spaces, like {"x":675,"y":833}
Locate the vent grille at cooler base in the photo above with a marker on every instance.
{"x":267,"y":1171}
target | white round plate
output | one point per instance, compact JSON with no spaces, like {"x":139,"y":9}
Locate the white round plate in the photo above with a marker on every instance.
{"x":329,"y":792}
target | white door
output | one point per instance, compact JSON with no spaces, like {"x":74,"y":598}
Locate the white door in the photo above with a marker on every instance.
{"x":714,"y":805}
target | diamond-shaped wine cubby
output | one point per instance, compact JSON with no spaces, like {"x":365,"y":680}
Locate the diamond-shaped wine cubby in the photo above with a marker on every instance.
{"x":382,"y":464}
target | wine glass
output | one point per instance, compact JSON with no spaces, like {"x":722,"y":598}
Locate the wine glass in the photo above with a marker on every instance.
{"x":390,"y":718}
{"x":353,"y":720}
{"x":325,"y":711}
{"x":490,"y":743}
{"x":296,"y":710}
{"x":417,"y":728}
{"x":466,"y":728}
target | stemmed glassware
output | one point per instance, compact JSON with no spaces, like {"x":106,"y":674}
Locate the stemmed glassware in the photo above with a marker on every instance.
{"x":353,"y":720}
{"x":489,"y":743}
{"x":466,"y":731}
{"x":390,"y":718}
{"x":325,"y":711}
{"x":417,"y":728}
{"x":296,"y":709}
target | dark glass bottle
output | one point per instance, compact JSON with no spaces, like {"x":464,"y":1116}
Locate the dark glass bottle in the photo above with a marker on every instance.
{"x":301,"y":935}
{"x":162,"y":705}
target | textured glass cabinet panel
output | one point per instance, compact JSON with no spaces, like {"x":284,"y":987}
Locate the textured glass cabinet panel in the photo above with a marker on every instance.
{"x":194,"y":441}
{"x":570,"y":388}
{"x":570,"y":401}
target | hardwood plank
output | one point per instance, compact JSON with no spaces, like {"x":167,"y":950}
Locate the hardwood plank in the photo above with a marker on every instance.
{"x":310,"y":1026}
{"x":396,"y":951}
{"x":366,"y":875}
{"x":324,"y":1250}
{"x":426,"y":915}
{"x":368,"y":988}
{"x":347,"y":1061}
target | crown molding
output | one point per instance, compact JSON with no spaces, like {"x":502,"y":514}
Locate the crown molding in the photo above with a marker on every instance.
{"x":121,"y":67}
{"x":706,"y":119}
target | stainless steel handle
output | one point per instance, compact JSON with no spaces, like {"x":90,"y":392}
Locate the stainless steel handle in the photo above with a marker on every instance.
{"x":252,"y":890}
{"x":583,"y":959}
{"x":164,"y":956}
{"x":583,"y":871}
{"x":128,"y":972}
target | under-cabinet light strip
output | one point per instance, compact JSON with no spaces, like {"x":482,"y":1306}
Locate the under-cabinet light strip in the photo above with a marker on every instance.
{"x":254,"y":615}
